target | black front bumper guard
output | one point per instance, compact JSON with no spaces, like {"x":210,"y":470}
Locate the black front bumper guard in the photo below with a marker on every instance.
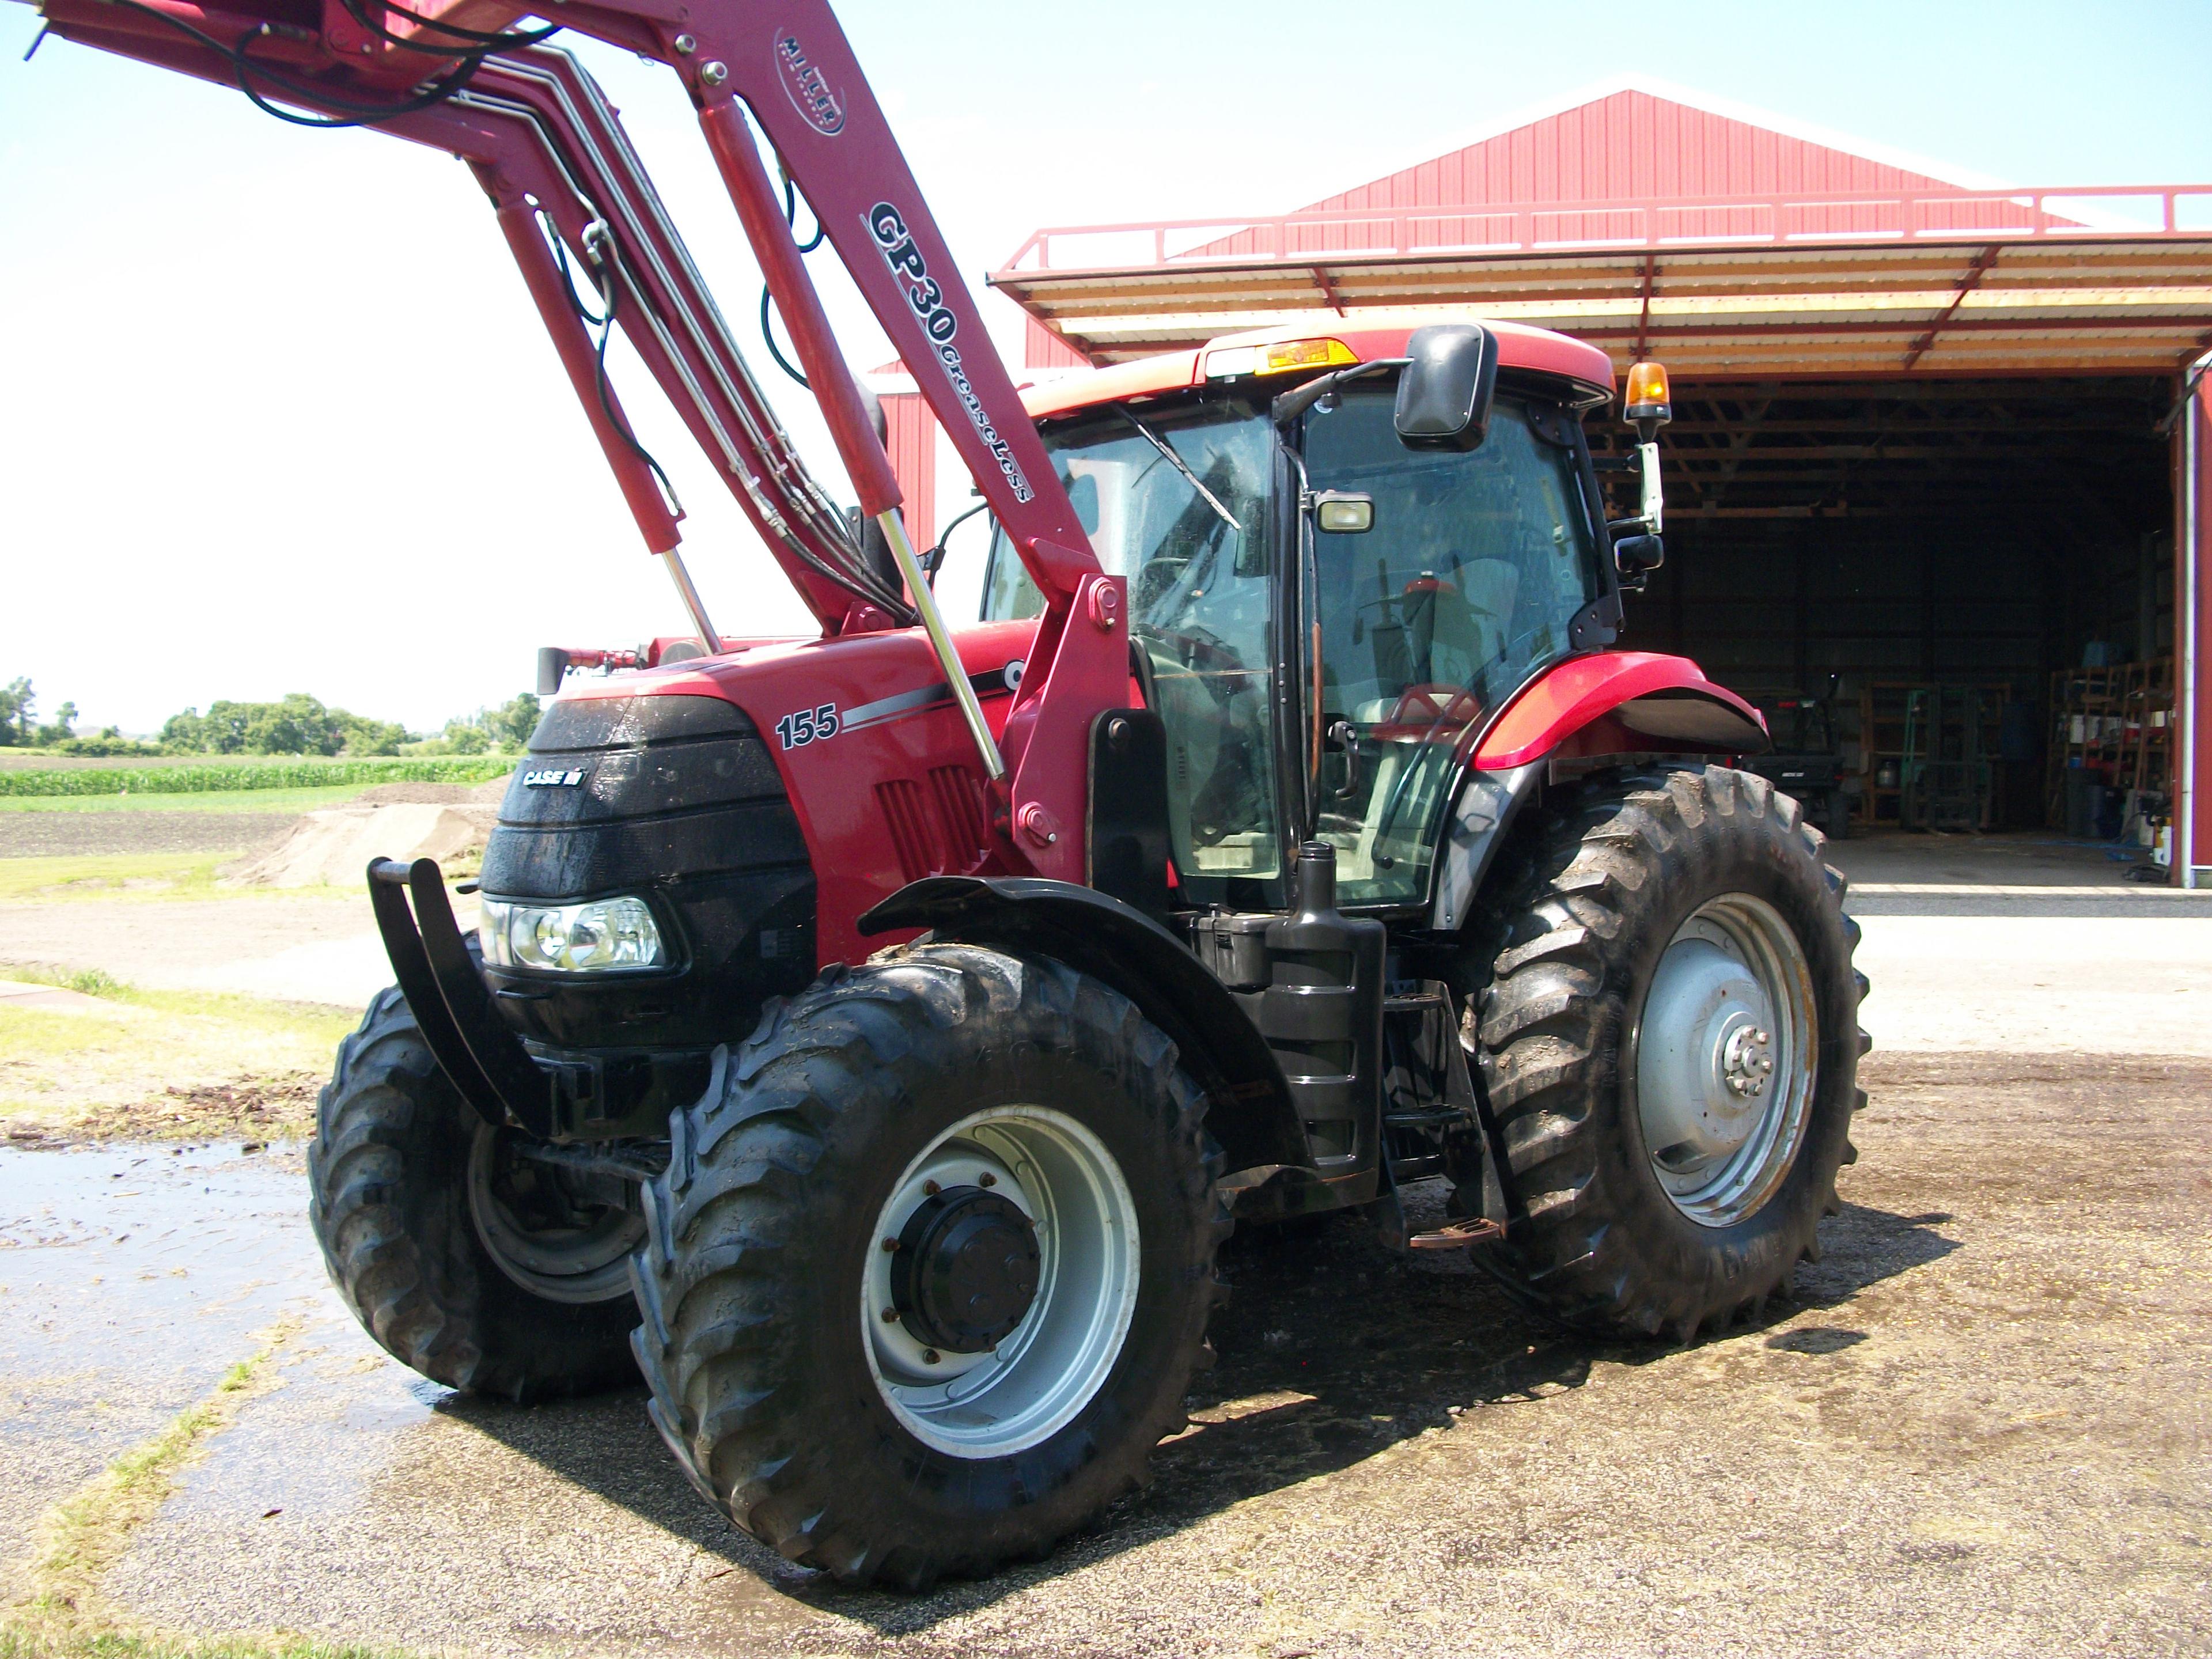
{"x":487,"y":1062}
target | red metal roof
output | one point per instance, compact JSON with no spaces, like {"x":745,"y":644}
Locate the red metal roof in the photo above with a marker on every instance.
{"x":1636,"y":144}
{"x":1730,"y":240}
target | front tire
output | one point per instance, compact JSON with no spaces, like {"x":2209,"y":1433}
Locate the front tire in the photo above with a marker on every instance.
{"x":932,"y":1265}
{"x":464,"y":1263}
{"x":1669,"y":1037}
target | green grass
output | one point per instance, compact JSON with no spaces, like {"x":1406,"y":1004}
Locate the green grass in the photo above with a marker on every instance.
{"x":86,"y":981}
{"x":162,"y":1064}
{"x":222,"y":801}
{"x":201,"y":777}
{"x":108,"y":875}
{"x":124,"y":877}
{"x":18,"y":1641}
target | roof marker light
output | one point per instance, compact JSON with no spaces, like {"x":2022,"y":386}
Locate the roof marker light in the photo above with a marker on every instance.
{"x":1281,"y":357}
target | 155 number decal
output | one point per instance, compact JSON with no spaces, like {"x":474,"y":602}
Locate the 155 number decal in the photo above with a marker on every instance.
{"x":817,"y":725}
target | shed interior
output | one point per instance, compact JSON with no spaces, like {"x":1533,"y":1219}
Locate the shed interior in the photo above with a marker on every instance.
{"x":1977,"y":574}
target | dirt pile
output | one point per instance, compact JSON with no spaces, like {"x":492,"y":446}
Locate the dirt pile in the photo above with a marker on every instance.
{"x":440,"y":794}
{"x":332,"y":847}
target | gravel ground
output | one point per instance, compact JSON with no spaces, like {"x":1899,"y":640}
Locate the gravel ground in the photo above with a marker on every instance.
{"x":214,"y":944}
{"x":1981,"y":1427}
{"x":90,"y":835}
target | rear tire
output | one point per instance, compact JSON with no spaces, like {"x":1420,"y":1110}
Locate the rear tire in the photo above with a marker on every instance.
{"x":396,"y":1208}
{"x":799,"y":1406}
{"x":1607,"y":1237}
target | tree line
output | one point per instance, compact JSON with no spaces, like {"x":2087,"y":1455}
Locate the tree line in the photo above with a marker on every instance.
{"x":295,"y":725}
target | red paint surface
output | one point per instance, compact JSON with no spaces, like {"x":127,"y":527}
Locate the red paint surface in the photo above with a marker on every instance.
{"x":833,"y":783}
{"x":1585,"y":690}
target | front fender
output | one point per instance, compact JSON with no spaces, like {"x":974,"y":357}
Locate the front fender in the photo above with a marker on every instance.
{"x":1621,"y":703}
{"x":1252,"y":1114}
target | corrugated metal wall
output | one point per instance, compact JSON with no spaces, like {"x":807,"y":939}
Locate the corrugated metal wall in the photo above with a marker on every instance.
{"x":912,"y":447}
{"x":1042,"y":349}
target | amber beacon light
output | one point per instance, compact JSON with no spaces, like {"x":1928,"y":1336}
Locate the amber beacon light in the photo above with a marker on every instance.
{"x":1647,"y":399}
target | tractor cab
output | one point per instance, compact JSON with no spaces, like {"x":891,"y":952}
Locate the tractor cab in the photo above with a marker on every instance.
{"x":1324,"y":606}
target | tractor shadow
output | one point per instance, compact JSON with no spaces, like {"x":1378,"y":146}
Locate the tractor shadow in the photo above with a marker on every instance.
{"x":1333,"y":1349}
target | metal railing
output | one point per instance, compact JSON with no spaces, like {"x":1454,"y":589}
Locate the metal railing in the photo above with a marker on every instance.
{"x":1911,"y":215}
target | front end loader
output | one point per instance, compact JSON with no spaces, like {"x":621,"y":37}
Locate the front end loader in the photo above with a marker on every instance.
{"x":871,"y":1037}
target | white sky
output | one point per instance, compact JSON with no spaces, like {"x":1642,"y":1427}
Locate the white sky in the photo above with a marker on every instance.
{"x":276,"y":413}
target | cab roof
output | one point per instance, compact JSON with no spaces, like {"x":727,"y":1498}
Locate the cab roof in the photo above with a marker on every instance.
{"x":1370,"y":336}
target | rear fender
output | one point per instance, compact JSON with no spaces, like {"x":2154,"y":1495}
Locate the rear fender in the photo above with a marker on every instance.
{"x":1620,"y":702}
{"x":1251,"y":1113}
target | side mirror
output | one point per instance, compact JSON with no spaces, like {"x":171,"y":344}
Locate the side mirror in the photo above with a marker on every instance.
{"x":1445,"y":389}
{"x":552,"y":669}
{"x":1341,"y":512}
{"x":1637,"y":557}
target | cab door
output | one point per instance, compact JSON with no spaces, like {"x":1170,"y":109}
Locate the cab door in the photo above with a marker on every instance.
{"x":1469,"y":580}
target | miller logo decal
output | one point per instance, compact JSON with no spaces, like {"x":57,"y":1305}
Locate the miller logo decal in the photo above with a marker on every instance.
{"x":809,"y":89}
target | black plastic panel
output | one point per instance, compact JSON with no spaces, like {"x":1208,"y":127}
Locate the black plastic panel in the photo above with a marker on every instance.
{"x":1128,"y":792}
{"x":676,"y":800}
{"x":585,"y":860}
{"x":626,"y":722}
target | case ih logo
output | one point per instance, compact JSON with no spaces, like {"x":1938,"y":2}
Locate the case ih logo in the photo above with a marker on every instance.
{"x":810,"y":92}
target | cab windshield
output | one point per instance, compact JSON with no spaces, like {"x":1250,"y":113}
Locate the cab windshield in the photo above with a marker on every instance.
{"x":1468,"y":582}
{"x":1175,"y":500}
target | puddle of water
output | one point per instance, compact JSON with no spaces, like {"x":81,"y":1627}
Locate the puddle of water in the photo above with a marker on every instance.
{"x":316,"y":1443}
{"x":144,"y":1271}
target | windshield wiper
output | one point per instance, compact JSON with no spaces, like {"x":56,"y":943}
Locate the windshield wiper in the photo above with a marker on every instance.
{"x":1181,"y":466}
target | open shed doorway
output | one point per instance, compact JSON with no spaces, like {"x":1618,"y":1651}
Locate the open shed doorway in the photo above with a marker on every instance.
{"x":1973,"y":580}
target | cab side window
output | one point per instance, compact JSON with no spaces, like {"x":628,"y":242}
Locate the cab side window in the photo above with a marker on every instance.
{"x":1191,"y":541}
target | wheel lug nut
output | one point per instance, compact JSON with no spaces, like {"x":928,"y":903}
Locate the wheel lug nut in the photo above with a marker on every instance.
{"x":890,"y":1315}
{"x":987,"y":1179}
{"x":889,"y":1245}
{"x":929,"y":1356}
{"x":932,"y":1188}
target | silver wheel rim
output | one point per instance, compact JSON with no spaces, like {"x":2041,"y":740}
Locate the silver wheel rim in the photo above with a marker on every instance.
{"x":551,"y":1242}
{"x":1724,"y":1059}
{"x":1050,"y":1365}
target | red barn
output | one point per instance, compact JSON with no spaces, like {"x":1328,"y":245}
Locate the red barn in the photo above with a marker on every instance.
{"x":1932,"y":455}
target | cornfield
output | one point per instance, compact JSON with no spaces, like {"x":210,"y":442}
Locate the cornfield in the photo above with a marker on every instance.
{"x":198,"y":777}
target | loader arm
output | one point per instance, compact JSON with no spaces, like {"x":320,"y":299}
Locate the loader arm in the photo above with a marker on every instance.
{"x":568,"y":188}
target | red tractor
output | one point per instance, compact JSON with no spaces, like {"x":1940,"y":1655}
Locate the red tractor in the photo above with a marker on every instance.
{"x":871,"y":1037}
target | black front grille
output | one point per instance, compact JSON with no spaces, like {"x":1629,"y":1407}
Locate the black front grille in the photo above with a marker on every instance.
{"x":676,"y":800}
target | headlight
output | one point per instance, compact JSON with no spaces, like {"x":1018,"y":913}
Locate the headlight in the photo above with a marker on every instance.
{"x":602,"y":936}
